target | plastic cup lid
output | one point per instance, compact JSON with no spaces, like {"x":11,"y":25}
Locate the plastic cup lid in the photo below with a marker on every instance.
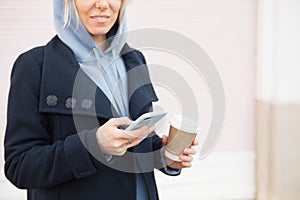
{"x":184,"y":124}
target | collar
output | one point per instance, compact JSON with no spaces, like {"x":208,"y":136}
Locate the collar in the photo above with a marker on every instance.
{"x":66,"y":89}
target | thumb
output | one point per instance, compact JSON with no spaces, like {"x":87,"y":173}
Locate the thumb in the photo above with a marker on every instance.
{"x":164,"y":140}
{"x":122,"y":121}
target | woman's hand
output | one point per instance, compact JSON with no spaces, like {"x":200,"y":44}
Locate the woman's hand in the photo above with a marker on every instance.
{"x":186,"y":158}
{"x":115,"y":141}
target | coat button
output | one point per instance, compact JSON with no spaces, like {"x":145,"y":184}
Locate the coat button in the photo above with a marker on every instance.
{"x":70,"y":103}
{"x":51,"y":100}
{"x":86,"y":104}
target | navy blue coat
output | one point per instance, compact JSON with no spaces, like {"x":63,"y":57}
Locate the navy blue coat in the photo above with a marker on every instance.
{"x":50,"y":141}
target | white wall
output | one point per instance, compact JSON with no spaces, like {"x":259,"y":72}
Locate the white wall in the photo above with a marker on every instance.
{"x":226,"y":30}
{"x":278,"y":51}
{"x":288,"y":50}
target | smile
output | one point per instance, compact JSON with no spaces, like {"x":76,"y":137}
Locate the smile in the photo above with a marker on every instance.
{"x":100,"y":18}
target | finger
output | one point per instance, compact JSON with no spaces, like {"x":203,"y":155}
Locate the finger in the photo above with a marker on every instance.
{"x":195,"y":143}
{"x":132,"y":143}
{"x":132,"y":134}
{"x":136,"y":140}
{"x":150,"y":130}
{"x":122,"y":143}
{"x":127,"y":143}
{"x":122,"y":121}
{"x":186,"y":164}
{"x":164,"y":139}
{"x":141,"y":132}
{"x":185,"y":158}
{"x":121,"y":152}
{"x":189,"y":151}
{"x":132,"y":140}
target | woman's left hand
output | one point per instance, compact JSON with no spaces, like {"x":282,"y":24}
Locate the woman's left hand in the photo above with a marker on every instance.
{"x":186,"y":158}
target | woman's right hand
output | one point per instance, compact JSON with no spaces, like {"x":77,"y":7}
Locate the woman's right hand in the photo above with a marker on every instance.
{"x":115,"y":141}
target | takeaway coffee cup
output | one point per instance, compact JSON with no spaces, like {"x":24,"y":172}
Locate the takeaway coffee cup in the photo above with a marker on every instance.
{"x":181,"y":135}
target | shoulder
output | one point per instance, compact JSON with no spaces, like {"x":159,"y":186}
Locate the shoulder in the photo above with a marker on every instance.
{"x":133,"y":52}
{"x":139,"y":54}
{"x":29,"y":61}
{"x":34,"y":55}
{"x":33,"y":59}
{"x":26,"y":72}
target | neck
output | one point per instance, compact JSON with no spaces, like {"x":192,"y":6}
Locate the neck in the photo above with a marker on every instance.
{"x":100,"y":41}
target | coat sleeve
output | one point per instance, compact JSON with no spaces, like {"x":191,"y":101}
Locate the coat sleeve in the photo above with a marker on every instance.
{"x":32,"y":160}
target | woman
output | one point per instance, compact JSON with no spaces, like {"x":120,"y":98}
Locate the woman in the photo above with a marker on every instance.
{"x":68,"y":103}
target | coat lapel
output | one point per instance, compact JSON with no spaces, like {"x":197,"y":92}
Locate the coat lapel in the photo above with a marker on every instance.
{"x":140,"y":89}
{"x":66,"y":89}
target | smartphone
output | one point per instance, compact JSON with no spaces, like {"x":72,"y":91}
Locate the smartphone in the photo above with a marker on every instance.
{"x":147,"y":119}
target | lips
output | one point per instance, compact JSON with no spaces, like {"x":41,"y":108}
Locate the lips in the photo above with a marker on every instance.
{"x":100,"y":18}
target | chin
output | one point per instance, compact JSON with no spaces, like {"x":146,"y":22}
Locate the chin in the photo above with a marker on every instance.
{"x":100,"y":31}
